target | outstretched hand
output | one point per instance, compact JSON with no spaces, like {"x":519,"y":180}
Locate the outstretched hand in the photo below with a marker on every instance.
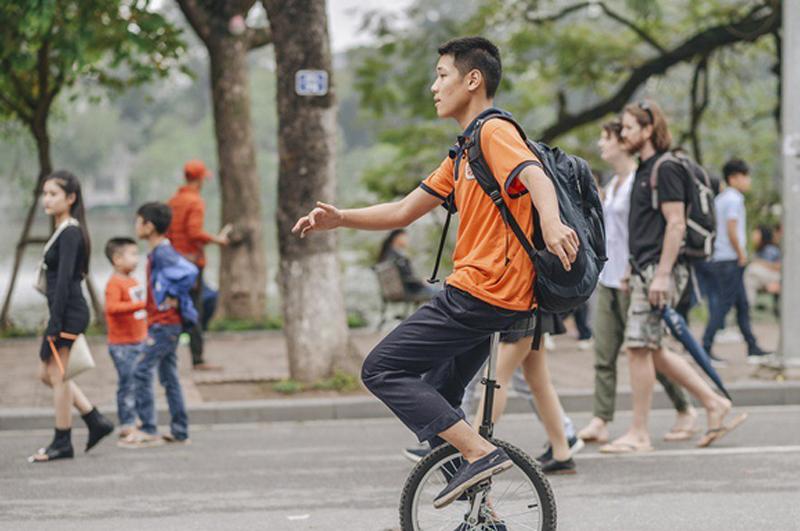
{"x":562,"y":241}
{"x":322,"y":217}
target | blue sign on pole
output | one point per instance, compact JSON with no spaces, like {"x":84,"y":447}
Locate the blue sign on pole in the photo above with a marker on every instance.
{"x":311,"y":82}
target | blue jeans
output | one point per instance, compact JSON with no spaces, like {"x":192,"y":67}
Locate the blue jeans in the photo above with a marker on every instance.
{"x":125,"y":357}
{"x":160,"y":354}
{"x":726,"y":291}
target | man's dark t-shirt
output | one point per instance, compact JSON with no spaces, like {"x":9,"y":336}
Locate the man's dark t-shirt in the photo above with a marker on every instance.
{"x":646,"y":226}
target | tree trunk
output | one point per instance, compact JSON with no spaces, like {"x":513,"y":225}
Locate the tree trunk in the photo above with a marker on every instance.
{"x":243,"y":276}
{"x":315,"y":323}
{"x":40,"y":134}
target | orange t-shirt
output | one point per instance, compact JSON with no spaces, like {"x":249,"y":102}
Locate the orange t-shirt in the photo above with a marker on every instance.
{"x":488,"y":261}
{"x":125,"y":310}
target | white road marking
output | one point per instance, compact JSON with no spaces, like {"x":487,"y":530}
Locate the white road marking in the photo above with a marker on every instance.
{"x":742,"y":450}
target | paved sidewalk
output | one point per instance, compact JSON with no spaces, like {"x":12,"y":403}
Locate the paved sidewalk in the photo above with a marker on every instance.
{"x":249,"y":357}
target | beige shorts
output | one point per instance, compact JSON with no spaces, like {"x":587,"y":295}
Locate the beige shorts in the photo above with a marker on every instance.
{"x":645,"y":328}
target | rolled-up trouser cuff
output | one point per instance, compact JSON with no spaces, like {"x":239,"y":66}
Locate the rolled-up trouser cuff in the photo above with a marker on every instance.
{"x":446,"y":420}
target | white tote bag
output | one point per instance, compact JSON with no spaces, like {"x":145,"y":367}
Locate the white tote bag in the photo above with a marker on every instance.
{"x":80,"y":357}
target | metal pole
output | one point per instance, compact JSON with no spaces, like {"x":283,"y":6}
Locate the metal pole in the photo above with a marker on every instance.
{"x":790,"y":149}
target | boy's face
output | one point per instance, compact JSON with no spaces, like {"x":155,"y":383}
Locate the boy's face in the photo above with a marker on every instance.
{"x":127,"y":258}
{"x":740,"y":181}
{"x":143,"y":228}
{"x":451,"y":90}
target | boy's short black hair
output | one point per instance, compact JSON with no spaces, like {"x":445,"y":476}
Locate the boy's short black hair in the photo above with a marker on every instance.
{"x":733,"y":167}
{"x":115,"y":245}
{"x":159,"y":214}
{"x":470,"y":53}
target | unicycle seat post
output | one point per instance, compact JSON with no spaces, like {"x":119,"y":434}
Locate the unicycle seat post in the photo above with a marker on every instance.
{"x":487,"y":425}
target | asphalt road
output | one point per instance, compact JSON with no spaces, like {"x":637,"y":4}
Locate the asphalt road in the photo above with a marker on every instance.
{"x":347,"y":475}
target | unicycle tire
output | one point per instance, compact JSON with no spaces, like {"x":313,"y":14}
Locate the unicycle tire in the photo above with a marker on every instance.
{"x":445,"y":452}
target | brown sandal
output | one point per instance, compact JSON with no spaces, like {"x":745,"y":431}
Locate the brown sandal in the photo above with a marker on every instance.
{"x":716,"y":434}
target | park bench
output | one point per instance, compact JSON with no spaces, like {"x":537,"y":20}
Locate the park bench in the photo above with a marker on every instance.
{"x":393,"y":292}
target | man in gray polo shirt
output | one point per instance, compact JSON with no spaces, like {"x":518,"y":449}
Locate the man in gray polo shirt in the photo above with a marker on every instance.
{"x":730,"y":259}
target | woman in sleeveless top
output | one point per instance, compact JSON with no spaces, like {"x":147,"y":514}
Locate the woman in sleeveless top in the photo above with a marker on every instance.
{"x":66,"y":262}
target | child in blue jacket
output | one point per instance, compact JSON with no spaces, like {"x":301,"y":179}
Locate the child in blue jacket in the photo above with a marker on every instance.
{"x":169,"y":308}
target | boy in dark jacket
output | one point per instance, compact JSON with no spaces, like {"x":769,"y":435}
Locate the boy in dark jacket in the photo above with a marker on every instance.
{"x":169,"y":306}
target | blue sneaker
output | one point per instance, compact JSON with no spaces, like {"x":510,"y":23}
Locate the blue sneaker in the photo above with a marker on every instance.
{"x":576,"y":444}
{"x":470,"y":474}
{"x":415,"y":455}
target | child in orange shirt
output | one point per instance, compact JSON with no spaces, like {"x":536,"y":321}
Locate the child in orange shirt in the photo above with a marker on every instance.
{"x":127,"y":325}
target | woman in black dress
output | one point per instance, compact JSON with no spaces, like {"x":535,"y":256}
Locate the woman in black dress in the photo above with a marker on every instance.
{"x":67,"y":263}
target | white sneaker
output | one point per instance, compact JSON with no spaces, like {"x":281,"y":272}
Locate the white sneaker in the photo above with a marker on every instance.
{"x":728,"y":335}
{"x":549,"y":342}
{"x":585,"y":344}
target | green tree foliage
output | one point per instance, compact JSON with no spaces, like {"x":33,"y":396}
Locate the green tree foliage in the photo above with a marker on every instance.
{"x":569,"y":65}
{"x":48,"y":45}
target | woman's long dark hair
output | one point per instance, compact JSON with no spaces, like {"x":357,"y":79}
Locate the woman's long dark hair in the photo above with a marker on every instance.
{"x":71,"y":185}
{"x":767,"y":237}
{"x":387,"y":244}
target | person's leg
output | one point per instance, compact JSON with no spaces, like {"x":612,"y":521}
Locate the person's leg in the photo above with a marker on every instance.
{"x":743,"y":313}
{"x":62,"y":391}
{"x":509,"y":357}
{"x":537,"y":375}
{"x":724,"y":297}
{"x":210,"y":298}
{"x":581,"y":315}
{"x":447,"y":341}
{"x":609,"y":328}
{"x":121,"y":356}
{"x":642,"y":382}
{"x":143,"y":377}
{"x":470,"y":401}
{"x":679,"y":370}
{"x":168,"y":376}
{"x":61,"y":445}
{"x":196,"y":330}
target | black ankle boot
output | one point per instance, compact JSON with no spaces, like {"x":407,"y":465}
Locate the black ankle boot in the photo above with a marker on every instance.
{"x":60,"y":448}
{"x":99,"y":427}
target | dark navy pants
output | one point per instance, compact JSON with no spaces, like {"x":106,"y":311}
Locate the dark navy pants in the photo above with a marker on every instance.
{"x":729,"y":292}
{"x":421,"y":368}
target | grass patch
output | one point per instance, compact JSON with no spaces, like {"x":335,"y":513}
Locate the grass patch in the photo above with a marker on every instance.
{"x":354,"y":320}
{"x":287,"y":387}
{"x":245,"y":325}
{"x":13,"y":331}
{"x":340,"y":382}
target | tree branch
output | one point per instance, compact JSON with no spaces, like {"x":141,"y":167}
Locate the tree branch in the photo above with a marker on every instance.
{"x":16,"y":109}
{"x":198,"y":18}
{"x":699,"y":103}
{"x":646,"y":37}
{"x":749,"y":28}
{"x":19,"y":87}
{"x":258,"y":37}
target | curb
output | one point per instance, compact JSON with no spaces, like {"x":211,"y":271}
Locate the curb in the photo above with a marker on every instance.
{"x":368,"y":407}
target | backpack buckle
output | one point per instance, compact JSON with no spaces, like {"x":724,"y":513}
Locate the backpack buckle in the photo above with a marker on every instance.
{"x":496,"y":197}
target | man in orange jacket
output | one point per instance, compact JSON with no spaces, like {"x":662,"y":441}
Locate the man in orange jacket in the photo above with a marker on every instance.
{"x":188,"y":237}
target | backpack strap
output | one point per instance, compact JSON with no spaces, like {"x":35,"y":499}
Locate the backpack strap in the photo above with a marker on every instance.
{"x":654,"y":176}
{"x":449,"y":206}
{"x":488,"y":182}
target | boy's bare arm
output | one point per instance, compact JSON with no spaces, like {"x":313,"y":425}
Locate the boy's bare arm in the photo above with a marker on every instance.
{"x":384,"y":216}
{"x":560,"y":239}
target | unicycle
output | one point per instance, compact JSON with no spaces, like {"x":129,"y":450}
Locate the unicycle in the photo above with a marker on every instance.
{"x":518,"y":499}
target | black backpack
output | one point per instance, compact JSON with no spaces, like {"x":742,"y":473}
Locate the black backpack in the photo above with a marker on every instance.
{"x":701,"y":221}
{"x":556,"y":290}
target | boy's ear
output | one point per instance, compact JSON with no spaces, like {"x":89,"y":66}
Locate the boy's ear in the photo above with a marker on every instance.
{"x":474,"y":80}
